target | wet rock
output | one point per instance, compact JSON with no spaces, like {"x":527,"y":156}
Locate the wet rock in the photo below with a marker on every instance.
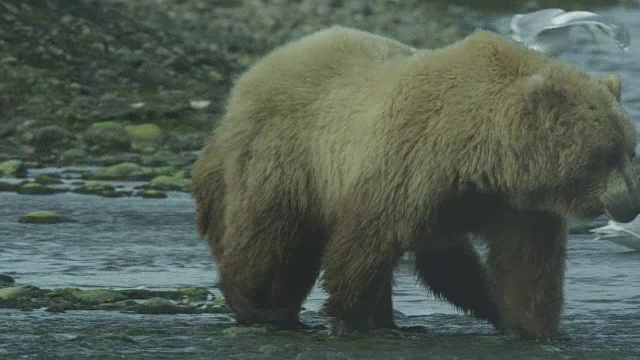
{"x":124,"y":171}
{"x":152,"y":194}
{"x":107,"y":136}
{"x":12,"y":293}
{"x":100,"y":189}
{"x":67,"y":294}
{"x":33,"y":188}
{"x":145,"y":137}
{"x":43,"y":217}
{"x":195,"y":294}
{"x":98,"y":296}
{"x":13,"y":168}
{"x":6,"y":280}
{"x":143,"y":294}
{"x":217,"y":306}
{"x":158,"y":306}
{"x":48,"y":179}
{"x":8,"y":187}
{"x":171,"y":183}
{"x":192,"y":293}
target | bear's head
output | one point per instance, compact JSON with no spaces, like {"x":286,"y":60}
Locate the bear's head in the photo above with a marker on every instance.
{"x":570,"y":145}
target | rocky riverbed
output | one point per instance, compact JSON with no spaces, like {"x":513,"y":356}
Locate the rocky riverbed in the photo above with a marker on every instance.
{"x":104,"y":106}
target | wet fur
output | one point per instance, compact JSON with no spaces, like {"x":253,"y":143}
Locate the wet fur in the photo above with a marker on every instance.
{"x":344,"y":149}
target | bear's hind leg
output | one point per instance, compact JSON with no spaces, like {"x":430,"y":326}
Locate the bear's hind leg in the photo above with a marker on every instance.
{"x":293,"y":281}
{"x":383,"y":311}
{"x":270,"y":264}
{"x":456,"y":273}
{"x":359,"y":263}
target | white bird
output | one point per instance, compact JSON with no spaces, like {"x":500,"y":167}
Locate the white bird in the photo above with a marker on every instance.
{"x":550,"y":31}
{"x":623,"y":234}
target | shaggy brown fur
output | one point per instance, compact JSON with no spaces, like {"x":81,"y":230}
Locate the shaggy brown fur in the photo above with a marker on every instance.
{"x":344,"y":149}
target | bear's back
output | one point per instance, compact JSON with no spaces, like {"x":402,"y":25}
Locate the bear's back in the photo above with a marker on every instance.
{"x":302,"y":71}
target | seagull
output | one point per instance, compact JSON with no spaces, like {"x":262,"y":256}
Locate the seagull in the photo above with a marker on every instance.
{"x":550,"y":31}
{"x":622,"y":234}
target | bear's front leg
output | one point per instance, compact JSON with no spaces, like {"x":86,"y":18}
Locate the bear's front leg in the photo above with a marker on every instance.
{"x":527,"y":260}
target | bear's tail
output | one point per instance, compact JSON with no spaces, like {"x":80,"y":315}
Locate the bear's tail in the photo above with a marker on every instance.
{"x":208,"y":191}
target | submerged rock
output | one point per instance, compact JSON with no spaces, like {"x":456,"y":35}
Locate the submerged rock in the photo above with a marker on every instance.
{"x":43,"y":217}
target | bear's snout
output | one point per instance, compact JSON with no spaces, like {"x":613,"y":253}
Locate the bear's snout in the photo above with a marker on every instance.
{"x":621,"y":199}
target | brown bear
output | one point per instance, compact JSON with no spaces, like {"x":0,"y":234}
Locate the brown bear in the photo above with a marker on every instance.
{"x":342,"y":150}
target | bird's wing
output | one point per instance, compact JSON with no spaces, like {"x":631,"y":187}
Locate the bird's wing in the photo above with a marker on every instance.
{"x":530,"y":24}
{"x":617,"y":30}
{"x":616,"y":229}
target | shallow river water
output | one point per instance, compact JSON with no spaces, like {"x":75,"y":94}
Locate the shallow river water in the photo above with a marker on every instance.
{"x":133,"y":242}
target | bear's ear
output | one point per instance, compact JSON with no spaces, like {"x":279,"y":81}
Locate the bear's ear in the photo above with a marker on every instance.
{"x":541,"y":91}
{"x":536,"y":84}
{"x":614,"y":84}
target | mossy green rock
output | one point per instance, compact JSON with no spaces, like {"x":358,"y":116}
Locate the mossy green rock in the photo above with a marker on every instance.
{"x":43,"y":217}
{"x":33,"y":188}
{"x":13,"y":168}
{"x":124,"y":171}
{"x":170,"y":183}
{"x":217,"y":306}
{"x":144,"y":136}
{"x":195,"y":294}
{"x":152,"y":194}
{"x":108,"y":135}
{"x":158,"y":305}
{"x":98,"y":296}
{"x":12,"y":293}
